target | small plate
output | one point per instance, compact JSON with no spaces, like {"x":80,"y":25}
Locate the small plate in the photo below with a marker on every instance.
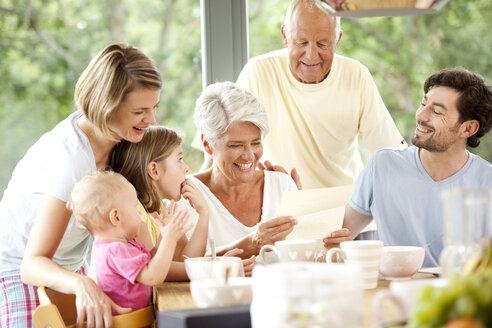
{"x":436,"y":271}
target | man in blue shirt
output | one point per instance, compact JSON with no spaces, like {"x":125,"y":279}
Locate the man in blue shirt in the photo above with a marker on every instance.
{"x":400,"y":188}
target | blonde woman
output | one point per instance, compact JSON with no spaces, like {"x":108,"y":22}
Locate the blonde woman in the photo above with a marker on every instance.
{"x":116,"y":96}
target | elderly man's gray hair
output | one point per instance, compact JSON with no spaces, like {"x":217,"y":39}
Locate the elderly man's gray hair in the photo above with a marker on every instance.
{"x":223,"y":103}
{"x":311,"y":6}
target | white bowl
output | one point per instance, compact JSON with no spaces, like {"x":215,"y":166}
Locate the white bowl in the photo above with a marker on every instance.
{"x":205,"y":268}
{"x":401,"y":262}
{"x":216,"y":292}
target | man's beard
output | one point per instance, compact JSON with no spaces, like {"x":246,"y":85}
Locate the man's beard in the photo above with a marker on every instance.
{"x":437,"y":146}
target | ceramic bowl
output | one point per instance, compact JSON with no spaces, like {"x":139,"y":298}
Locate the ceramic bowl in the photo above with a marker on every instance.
{"x":401,"y":262}
{"x":204,"y":268}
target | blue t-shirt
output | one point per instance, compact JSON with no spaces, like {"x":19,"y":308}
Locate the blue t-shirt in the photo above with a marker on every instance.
{"x":402,"y":198}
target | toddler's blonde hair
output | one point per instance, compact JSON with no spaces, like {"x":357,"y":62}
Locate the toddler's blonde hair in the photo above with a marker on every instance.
{"x":94,"y":196}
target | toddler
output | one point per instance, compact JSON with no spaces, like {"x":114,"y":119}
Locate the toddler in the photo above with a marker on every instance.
{"x":106,"y":205}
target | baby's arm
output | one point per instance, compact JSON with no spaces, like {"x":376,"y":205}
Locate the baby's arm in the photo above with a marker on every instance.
{"x":173,"y":227}
{"x":198,"y":241}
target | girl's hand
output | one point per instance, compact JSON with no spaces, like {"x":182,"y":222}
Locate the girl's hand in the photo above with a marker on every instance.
{"x":93,"y":306}
{"x":191,"y":193}
{"x":173,"y":223}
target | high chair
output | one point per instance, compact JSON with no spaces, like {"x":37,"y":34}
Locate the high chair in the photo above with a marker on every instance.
{"x":57,"y":310}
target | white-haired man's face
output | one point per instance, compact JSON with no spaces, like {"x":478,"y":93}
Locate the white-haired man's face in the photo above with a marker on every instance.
{"x":311,"y":41}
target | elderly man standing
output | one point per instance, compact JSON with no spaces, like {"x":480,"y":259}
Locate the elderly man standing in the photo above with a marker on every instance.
{"x":400,"y":188}
{"x":318,"y":103}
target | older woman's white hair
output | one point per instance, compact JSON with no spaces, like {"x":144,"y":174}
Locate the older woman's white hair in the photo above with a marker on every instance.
{"x":223,"y":103}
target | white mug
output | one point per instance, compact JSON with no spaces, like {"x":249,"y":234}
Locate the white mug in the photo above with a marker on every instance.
{"x":404,"y":294}
{"x":290,"y":250}
{"x":365,"y":254}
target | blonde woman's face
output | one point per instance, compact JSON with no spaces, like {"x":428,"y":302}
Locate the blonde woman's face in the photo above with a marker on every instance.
{"x":135,"y":114}
{"x":237,"y":152}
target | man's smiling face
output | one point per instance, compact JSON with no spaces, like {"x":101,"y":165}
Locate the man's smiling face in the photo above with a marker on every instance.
{"x":311,"y":41}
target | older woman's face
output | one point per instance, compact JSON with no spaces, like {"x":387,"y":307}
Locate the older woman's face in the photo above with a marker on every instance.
{"x":237,"y":152}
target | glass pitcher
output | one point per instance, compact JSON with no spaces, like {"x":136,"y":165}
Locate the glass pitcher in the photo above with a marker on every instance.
{"x":467,"y":225}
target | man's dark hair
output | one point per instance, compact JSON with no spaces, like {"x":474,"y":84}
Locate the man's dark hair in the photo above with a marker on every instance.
{"x":474,"y":102}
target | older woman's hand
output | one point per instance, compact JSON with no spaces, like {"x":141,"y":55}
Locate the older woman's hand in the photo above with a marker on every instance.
{"x":336,"y":237}
{"x":272,"y":230}
{"x":248,"y":264}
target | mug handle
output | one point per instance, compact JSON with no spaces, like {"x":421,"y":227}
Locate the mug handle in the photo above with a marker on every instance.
{"x":265,"y":248}
{"x":378,"y":300}
{"x":339,"y":252}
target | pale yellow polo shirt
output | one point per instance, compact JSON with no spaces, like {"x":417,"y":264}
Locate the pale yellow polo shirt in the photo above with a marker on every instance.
{"x":315,"y":127}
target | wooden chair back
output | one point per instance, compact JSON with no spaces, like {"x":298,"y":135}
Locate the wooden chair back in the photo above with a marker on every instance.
{"x":57,"y":310}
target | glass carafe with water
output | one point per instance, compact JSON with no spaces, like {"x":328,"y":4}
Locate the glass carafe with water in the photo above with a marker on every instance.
{"x":467,"y":215}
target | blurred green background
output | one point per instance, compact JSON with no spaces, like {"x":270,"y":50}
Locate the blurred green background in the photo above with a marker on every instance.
{"x":45,"y":45}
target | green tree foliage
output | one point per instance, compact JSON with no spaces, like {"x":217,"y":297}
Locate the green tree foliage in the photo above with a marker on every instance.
{"x":45,"y":45}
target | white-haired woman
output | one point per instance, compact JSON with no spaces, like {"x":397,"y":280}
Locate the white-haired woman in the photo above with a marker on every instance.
{"x":243,"y":201}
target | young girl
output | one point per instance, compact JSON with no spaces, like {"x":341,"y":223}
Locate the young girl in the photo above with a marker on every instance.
{"x":157,"y":171}
{"x":105,"y":204}
{"x":155,"y":167}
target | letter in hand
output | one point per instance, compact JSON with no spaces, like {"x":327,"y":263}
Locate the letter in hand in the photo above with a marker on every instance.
{"x":173,"y":222}
{"x":267,"y":165}
{"x":336,"y":237}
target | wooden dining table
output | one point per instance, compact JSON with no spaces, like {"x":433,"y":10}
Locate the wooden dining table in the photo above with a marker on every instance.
{"x":172,"y":296}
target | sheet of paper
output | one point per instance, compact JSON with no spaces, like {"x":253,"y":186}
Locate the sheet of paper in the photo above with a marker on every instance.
{"x":317,"y":225}
{"x":302,"y":202}
{"x":319,"y":211}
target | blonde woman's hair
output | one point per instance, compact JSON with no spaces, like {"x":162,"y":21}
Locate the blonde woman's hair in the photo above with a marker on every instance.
{"x":223,"y":103}
{"x":132,"y":159}
{"x":94,"y":196}
{"x":114,"y":72}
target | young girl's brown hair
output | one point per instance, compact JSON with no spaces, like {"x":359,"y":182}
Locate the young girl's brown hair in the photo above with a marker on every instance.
{"x":131,"y":160}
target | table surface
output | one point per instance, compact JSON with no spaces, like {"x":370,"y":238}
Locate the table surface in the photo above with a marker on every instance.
{"x":176,"y":295}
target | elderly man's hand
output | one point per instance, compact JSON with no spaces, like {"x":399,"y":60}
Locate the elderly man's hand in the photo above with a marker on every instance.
{"x":336,"y":237}
{"x":273,"y":230}
{"x":267,"y":165}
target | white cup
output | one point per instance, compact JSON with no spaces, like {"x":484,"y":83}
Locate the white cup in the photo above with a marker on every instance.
{"x":365,"y":254}
{"x":404,"y":295}
{"x":290,"y":251}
